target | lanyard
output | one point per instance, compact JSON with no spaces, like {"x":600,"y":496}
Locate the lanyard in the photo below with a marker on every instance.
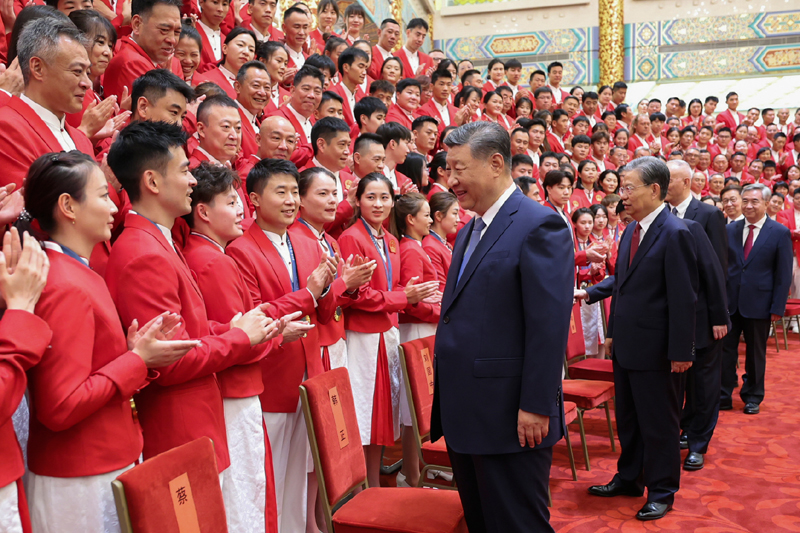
{"x":438,"y":238}
{"x":295,"y":278}
{"x":387,"y":263}
{"x":209,"y":239}
{"x":70,"y":253}
{"x":330,"y":248}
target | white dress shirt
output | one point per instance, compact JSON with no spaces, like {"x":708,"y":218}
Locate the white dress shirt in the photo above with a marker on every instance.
{"x":351,"y":100}
{"x":214,"y":38}
{"x":491,"y":213}
{"x":758,"y":225}
{"x":740,"y":217}
{"x":556,"y":94}
{"x":647,"y":221}
{"x":444,"y":112}
{"x":323,"y":243}
{"x":56,"y":126}
{"x":297,"y":57}
{"x":413,"y":61}
{"x":304,"y":122}
{"x":384,"y":53}
{"x":275,"y":95}
{"x":390,"y":173}
{"x":682,"y":207}
{"x":280,"y":244}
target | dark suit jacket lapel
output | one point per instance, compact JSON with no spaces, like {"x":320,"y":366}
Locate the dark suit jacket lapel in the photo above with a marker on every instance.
{"x":650,"y":237}
{"x":458,"y":255}
{"x":738,"y":244}
{"x":691,"y":210}
{"x":763,"y":236}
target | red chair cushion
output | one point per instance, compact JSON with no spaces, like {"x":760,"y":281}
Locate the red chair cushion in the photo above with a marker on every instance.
{"x":399,"y":510}
{"x":570,"y":412}
{"x":147,"y":491}
{"x":435,"y":453}
{"x":342,"y":467}
{"x":587,"y":394}
{"x":593,"y":369}
{"x":792,"y":309}
{"x":421,"y":393}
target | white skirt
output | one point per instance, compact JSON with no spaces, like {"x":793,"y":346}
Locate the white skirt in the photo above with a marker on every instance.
{"x":411,"y":332}
{"x":73,"y":504}
{"x":10,"y":521}
{"x":244,"y":487}
{"x":362,"y":364}
{"x":337,"y":353}
{"x":592,"y":323}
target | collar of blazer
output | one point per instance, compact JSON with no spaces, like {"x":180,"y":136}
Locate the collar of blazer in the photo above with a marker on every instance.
{"x":650,"y":237}
{"x":37,"y":124}
{"x":501,"y":222}
{"x":271,"y":255}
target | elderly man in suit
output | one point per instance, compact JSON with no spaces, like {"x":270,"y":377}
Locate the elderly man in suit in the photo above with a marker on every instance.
{"x":759,"y":277}
{"x":501,"y":339}
{"x":652,"y":326}
{"x":701,"y":409}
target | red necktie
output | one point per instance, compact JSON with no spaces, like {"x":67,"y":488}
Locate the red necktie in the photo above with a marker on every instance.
{"x":635,"y":242}
{"x":748,"y":244}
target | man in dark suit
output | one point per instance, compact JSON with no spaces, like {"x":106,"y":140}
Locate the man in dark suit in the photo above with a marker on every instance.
{"x":759,"y":276}
{"x":701,"y":408}
{"x":501,"y":339}
{"x":652,"y":326}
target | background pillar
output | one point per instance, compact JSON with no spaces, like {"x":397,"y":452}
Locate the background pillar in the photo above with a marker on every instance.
{"x":612,"y":41}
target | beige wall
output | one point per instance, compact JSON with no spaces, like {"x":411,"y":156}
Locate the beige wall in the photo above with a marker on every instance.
{"x":650,"y":10}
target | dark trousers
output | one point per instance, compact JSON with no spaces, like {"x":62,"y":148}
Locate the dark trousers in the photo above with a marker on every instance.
{"x":504,"y":493}
{"x":648,"y":424}
{"x":701,"y":410}
{"x":756,"y":333}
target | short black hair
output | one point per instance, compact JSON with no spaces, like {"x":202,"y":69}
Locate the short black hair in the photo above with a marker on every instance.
{"x":393,"y":131}
{"x":265,"y":169}
{"x":540,"y":72}
{"x":553,"y":65}
{"x":732,"y":93}
{"x":144,"y":7}
{"x":712,"y":99}
{"x":366,"y":139}
{"x":405,"y":83}
{"x":291,"y":11}
{"x":212,"y":180}
{"x":368,"y":106}
{"x":441,"y":73}
{"x":421,"y":120}
{"x":349,"y":56}
{"x":525,"y":183}
{"x":381,"y":86}
{"x":307,"y":71}
{"x":330,"y":95}
{"x":521,"y":159}
{"x":326,"y":129}
{"x":555,"y":177}
{"x":661,"y":117}
{"x":581,"y":139}
{"x":205,"y":107}
{"x":143,"y":146}
{"x":307,"y":178}
{"x":384,"y":22}
{"x":504,"y":89}
{"x":619,"y":85}
{"x":468,"y":74}
{"x":322,"y":62}
{"x":242,"y":74}
{"x":589,"y":95}
{"x":154,"y":84}
{"x":513,"y":63}
{"x":417,"y":23}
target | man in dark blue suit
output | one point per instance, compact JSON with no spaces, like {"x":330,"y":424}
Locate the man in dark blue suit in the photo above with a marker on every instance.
{"x":703,"y":379}
{"x":501,"y":339}
{"x":759,"y":277}
{"x":652,"y":325}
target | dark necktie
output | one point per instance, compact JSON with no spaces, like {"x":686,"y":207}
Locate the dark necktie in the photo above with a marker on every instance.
{"x":474,"y":239}
{"x":675,"y":211}
{"x":635,"y":242}
{"x":748,"y":244}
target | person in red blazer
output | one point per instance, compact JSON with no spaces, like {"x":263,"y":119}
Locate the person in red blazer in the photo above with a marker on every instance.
{"x":82,"y":426}
{"x":249,"y":484}
{"x":788,"y":218}
{"x":239,"y":48}
{"x":24,"y":131}
{"x":147,"y":273}
{"x":585,"y":194}
{"x":439,"y":106}
{"x":396,"y":146}
{"x":388,"y":37}
{"x":444,"y":213}
{"x":212,"y":16}
{"x":352,"y":71}
{"x":730,"y":118}
{"x":408,"y":97}
{"x":327,"y":16}
{"x":252,"y":94}
{"x":151,"y":45}
{"x":296,"y":23}
{"x":287,"y":271}
{"x":276,"y":140}
{"x":305,"y":98}
{"x":24,"y":337}
{"x":414,"y":60}
{"x":371,"y":322}
{"x":274,"y":56}
{"x":258,"y":15}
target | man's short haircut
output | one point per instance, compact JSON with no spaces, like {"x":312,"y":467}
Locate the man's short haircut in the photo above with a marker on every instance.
{"x":558,"y":113}
{"x":212,"y":180}
{"x":555,"y":177}
{"x":242,"y":74}
{"x":654,"y":100}
{"x":330,"y":95}
{"x":525,"y":183}
{"x":769,"y":163}
{"x":766,"y":110}
{"x":581,"y":139}
{"x":204,"y":110}
{"x":504,"y":89}
{"x":484,"y":140}
{"x":322,"y":62}
{"x":712,"y":99}
{"x":513,"y":63}
{"x":264,"y":170}
{"x":546,"y":155}
{"x":661,"y":117}
{"x":729,"y":188}
{"x":519,"y":130}
{"x":40,"y":38}
{"x":143,"y":146}
{"x":553,"y":65}
{"x":383,"y":86}
{"x":417,"y":23}
{"x":651,"y":170}
{"x":521,"y":159}
{"x":620,"y":111}
{"x":580,"y":118}
{"x":728,"y":96}
{"x":154,"y":84}
{"x":441,"y":73}
{"x":291,"y":11}
{"x":368,"y":106}
{"x":537,"y":122}
{"x":541,"y":90}
{"x":326,"y":129}
{"x":738,"y":154}
{"x":349,"y":56}
{"x":385,"y":22}
{"x":468,"y":74}
{"x":422,"y":120}
{"x":405,"y":83}
{"x":143,"y":8}
{"x":589,"y":95}
{"x":307,"y":71}
{"x":394,"y":131}
{"x":366,"y":139}
{"x":540,"y":72}
{"x":600,"y":136}
{"x":208,"y":89}
{"x":618,"y":85}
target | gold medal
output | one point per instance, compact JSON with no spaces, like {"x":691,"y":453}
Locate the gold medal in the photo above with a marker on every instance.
{"x":307,"y":319}
{"x":337,"y":316}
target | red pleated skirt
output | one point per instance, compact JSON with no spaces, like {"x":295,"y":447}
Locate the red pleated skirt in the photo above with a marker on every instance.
{"x":326,"y":359}
{"x":382,"y":413}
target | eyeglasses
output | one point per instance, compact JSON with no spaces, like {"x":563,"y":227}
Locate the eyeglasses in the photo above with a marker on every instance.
{"x":626,"y":191}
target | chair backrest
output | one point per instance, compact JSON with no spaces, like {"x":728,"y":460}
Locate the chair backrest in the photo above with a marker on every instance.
{"x":173,"y":492}
{"x":416,"y":359}
{"x":576,"y":346}
{"x":333,"y":434}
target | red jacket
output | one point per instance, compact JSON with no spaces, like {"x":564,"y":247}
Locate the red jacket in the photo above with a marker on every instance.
{"x":208,"y":60}
{"x":395,"y":114}
{"x":376,"y":309}
{"x":24,"y":337}
{"x":146,"y":277}
{"x":726,"y":117}
{"x":441,"y":255}
{"x":198,"y":157}
{"x":303,"y":153}
{"x":24,"y":137}
{"x":249,"y":145}
{"x":579,"y":198}
{"x":316,"y":36}
{"x":408,"y":72}
{"x":215,"y":75}
{"x":430,"y":110}
{"x":414,"y":262}
{"x":130,"y":62}
{"x":283,"y":97}
{"x":267,"y":279}
{"x":376,"y":65}
{"x":786,"y":217}
{"x":348,"y":113}
{"x":555,"y":143}
{"x":81,"y":420}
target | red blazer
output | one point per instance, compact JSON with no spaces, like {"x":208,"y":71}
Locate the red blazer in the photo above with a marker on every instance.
{"x":430,"y":110}
{"x":786,"y":217}
{"x":207,"y":59}
{"x":190,"y":7}
{"x":249,"y":145}
{"x":376,"y":65}
{"x":283,"y":97}
{"x":303,"y":153}
{"x":130,"y":62}
{"x":74,"y":119}
{"x":291,"y":63}
{"x":316,"y":35}
{"x":555,"y":143}
{"x":215,"y":75}
{"x":198,"y":157}
{"x":265,"y":275}
{"x":348,"y":113}
{"x":376,"y":309}
{"x":408,"y":72}
{"x":441,"y":255}
{"x":81,"y":420}
{"x":147,"y":277}
{"x":414,"y":262}
{"x":579,"y":198}
{"x":24,"y":137}
{"x":23,"y":339}
{"x":225,"y":294}
{"x":20,"y":4}
{"x":118,"y":20}
{"x":726,"y":117}
{"x":395,"y":114}
{"x":503,"y":120}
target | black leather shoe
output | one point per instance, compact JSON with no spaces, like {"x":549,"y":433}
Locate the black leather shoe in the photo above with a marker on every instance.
{"x":653,"y":511}
{"x":751,"y":408}
{"x":694,"y":461}
{"x":725,"y":406}
{"x":615,"y":488}
{"x":684,"y":442}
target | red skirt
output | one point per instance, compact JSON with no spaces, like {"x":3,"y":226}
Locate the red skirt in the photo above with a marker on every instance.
{"x":382,"y":417}
{"x":326,"y":359}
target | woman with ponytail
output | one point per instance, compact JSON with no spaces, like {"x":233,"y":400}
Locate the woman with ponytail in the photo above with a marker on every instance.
{"x":83,"y":428}
{"x":444,"y":215}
